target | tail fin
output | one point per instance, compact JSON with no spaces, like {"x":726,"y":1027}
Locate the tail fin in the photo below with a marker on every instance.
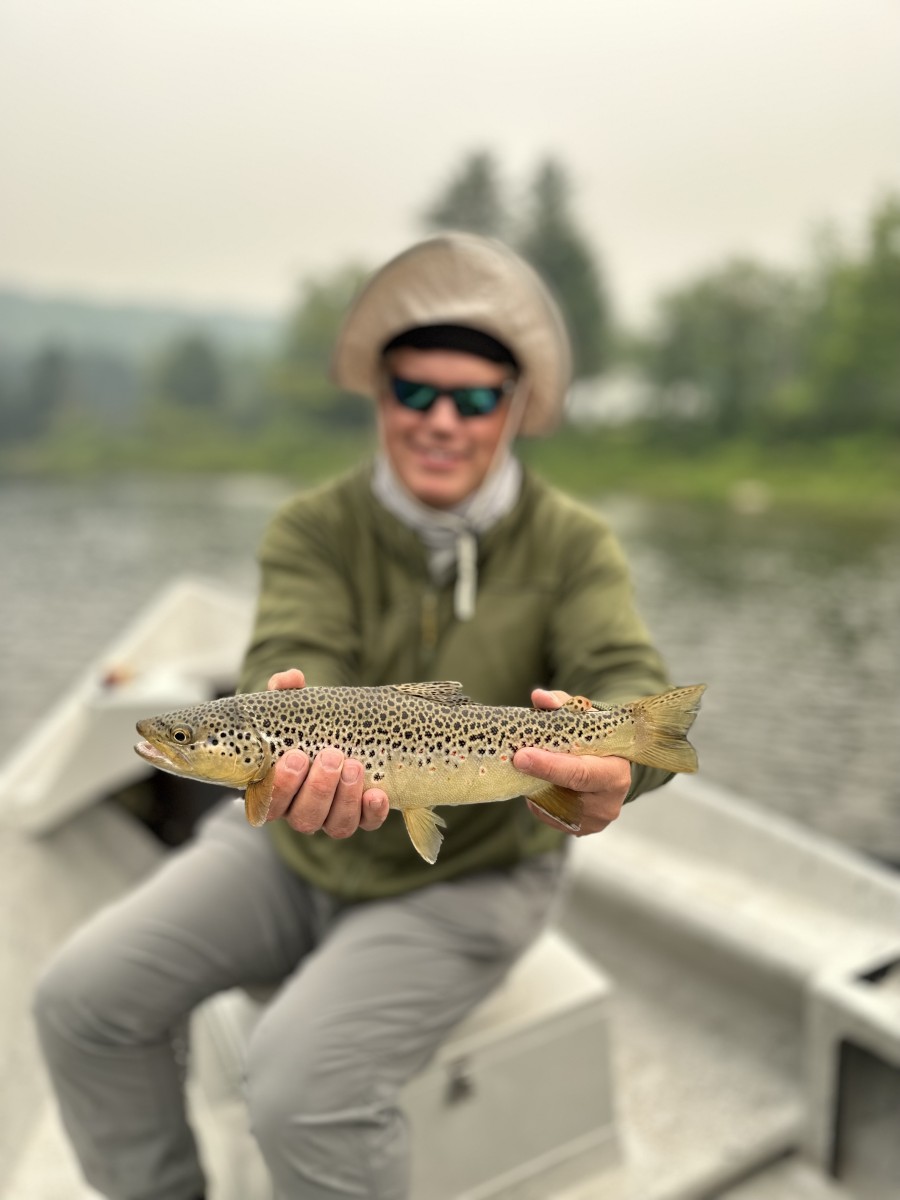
{"x":661,"y":725}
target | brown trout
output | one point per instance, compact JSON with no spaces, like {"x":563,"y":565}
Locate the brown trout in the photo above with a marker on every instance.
{"x":425,"y":744}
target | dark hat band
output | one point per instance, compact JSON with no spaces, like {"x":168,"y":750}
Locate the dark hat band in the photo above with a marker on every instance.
{"x":453,"y":337}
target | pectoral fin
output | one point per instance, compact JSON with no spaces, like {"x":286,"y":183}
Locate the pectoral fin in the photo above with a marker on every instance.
{"x":258,"y":798}
{"x":562,"y":804}
{"x":424,"y":828}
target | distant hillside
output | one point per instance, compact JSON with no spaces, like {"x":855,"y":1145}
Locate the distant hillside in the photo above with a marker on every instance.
{"x":29,"y":320}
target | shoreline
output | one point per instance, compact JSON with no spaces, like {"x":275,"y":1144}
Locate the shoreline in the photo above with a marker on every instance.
{"x":850,"y":477}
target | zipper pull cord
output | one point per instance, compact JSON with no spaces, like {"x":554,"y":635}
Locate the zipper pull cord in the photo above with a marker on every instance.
{"x":466,"y":575}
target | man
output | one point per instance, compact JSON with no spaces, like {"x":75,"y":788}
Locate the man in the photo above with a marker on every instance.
{"x":441,"y":559}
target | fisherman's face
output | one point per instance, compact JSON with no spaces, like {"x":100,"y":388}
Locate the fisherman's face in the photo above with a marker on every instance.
{"x":441,"y":456}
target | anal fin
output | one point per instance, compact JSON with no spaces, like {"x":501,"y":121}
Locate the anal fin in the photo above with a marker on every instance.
{"x":424,"y":828}
{"x":562,"y":804}
{"x":258,"y":798}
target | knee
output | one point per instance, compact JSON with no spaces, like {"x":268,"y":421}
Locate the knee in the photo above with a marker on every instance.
{"x":300,"y":1087}
{"x":326,"y":1119}
{"x":67,"y":1003}
{"x":59,"y":1005}
{"x":78,"y":998}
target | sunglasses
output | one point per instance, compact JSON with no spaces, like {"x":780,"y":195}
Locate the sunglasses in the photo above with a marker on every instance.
{"x":469,"y":401}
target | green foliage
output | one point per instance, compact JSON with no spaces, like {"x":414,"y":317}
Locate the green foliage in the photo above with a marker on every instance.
{"x":298,"y":387}
{"x":854,"y":476}
{"x":773,"y":355}
{"x":190,"y":375}
{"x":548,"y":237}
{"x":473,"y":199}
{"x":553,"y":243}
{"x":733,"y":335}
{"x":855,"y":354}
{"x":32,"y":399}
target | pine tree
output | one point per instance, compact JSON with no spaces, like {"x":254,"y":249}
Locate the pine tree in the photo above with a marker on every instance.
{"x":560,"y":252}
{"x":473,"y":200}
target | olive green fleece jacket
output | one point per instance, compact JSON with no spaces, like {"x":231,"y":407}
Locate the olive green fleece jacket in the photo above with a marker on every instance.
{"x":346,"y":596}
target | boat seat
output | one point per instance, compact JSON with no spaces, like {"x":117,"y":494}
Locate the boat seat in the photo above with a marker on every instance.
{"x":543,"y":1032}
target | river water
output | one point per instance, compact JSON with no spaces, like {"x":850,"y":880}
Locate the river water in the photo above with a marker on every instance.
{"x":793,"y":623}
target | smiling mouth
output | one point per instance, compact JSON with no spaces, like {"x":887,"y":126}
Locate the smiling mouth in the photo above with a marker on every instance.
{"x":435,"y":454}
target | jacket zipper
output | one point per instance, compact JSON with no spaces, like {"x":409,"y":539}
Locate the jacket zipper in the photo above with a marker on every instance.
{"x":429,"y":624}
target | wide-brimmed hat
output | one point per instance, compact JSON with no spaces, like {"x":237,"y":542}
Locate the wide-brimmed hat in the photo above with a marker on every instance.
{"x":461,"y":279}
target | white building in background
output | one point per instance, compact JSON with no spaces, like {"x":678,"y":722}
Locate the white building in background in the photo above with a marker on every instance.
{"x":618,"y":397}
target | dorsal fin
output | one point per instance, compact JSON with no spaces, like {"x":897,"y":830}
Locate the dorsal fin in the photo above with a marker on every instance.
{"x":443,"y":691}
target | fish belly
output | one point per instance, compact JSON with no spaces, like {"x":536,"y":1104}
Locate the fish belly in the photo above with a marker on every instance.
{"x":469,"y":781}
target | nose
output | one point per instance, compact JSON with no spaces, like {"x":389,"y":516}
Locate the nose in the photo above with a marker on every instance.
{"x":443,"y":415}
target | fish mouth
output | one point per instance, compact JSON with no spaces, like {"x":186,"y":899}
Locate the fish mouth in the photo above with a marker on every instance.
{"x":156,"y":757}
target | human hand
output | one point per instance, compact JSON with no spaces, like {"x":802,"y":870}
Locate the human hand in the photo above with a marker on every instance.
{"x":326,"y":793}
{"x":601,"y":783}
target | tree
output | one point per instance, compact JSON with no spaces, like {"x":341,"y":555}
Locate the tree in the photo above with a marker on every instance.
{"x":855,"y":347}
{"x":47,"y":389}
{"x":191,"y":375}
{"x":299,"y":383}
{"x":555,"y":246}
{"x":472,"y":200}
{"x":734,"y":336}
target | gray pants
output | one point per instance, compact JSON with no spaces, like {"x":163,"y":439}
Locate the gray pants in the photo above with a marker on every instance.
{"x":367,"y":993}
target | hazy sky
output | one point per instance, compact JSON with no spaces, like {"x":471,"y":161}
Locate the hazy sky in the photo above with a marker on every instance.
{"x":215,"y":151}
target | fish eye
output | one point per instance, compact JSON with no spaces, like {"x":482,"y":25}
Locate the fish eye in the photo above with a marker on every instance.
{"x":181,"y":734}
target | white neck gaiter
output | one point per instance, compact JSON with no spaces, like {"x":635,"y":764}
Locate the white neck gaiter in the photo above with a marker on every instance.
{"x":450,"y":536}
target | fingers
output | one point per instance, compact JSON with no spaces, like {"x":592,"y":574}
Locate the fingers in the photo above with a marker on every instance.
{"x":326,"y":794}
{"x":290,"y":772}
{"x":579,"y":772}
{"x":293,"y":677}
{"x":541,"y":698}
{"x":375,"y":805}
{"x":602,"y":783}
{"x":325,"y":801}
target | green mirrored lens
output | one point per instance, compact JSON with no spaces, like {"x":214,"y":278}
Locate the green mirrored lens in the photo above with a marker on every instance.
{"x":419,"y":396}
{"x":476,"y":401}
